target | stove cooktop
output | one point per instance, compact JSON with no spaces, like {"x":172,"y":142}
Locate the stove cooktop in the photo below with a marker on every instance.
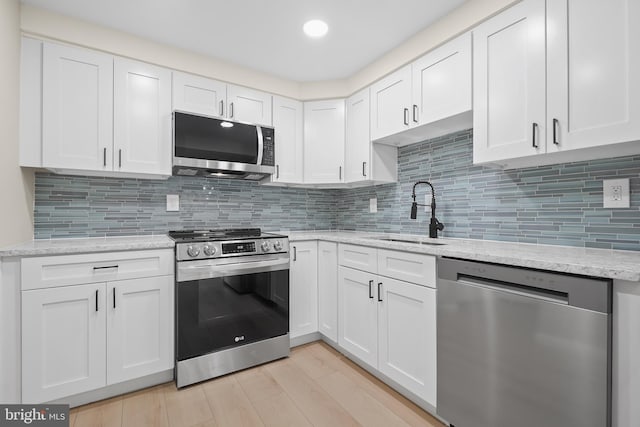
{"x":220,"y":235}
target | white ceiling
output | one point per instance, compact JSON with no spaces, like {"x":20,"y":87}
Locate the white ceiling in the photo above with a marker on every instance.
{"x":266,"y":35}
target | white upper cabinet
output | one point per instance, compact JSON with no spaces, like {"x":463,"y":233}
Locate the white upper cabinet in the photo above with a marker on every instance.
{"x":366,"y":161}
{"x":208,"y":97}
{"x":324,"y":128}
{"x":142,"y":118}
{"x":288,"y":125}
{"x":557,"y":85}
{"x":390,"y":102}
{"x":249,"y":105}
{"x":593,"y":69}
{"x":77,"y":108}
{"x":199,"y":95}
{"x":509,"y":84}
{"x":442,"y":87}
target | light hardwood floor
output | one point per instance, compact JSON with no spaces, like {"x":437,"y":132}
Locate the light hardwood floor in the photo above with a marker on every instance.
{"x":315,"y":386}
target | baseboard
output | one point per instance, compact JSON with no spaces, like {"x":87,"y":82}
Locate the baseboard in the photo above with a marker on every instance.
{"x":305,"y":339}
{"x":117,"y":389}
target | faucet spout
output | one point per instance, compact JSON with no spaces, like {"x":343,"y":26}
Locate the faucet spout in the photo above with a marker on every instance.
{"x":434,"y":224}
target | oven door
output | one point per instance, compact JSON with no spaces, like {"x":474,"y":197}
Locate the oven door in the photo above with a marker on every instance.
{"x":230,"y":302}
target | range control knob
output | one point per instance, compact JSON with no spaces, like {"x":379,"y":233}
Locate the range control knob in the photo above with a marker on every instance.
{"x":193,"y":251}
{"x":209,"y":250}
{"x":265,"y":246}
{"x":277,"y":245}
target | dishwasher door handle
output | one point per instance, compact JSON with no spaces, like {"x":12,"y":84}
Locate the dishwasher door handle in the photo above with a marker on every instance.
{"x":520,"y":290}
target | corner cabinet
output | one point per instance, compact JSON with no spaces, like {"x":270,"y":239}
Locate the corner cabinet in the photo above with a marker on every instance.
{"x":387,"y":314}
{"x":324,"y":128}
{"x":303,"y":279}
{"x":549,"y":89}
{"x":142,"y":118}
{"x":94,"y":320}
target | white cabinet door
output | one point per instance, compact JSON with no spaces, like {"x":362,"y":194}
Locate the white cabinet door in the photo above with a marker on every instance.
{"x":77,"y":108}
{"x":390,"y":102}
{"x":248,"y":105}
{"x":328,"y":289}
{"x":358,"y":314}
{"x":142,"y":118}
{"x":324,"y":141}
{"x":288,"y":124}
{"x":509,"y":84}
{"x":63,"y":341}
{"x":357,"y":162}
{"x":303,"y":288}
{"x":407,"y":336}
{"x":199,"y":95}
{"x":442,"y":82}
{"x":139,"y":327}
{"x":593,"y":71}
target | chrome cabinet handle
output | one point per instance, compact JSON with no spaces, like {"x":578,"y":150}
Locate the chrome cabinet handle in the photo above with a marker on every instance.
{"x":340,"y":172}
{"x":120,"y":158}
{"x":295,"y":253}
{"x":371,"y":289}
{"x":534,"y":131}
{"x":231,"y":110}
{"x":277,"y":171}
{"x":104,"y":156}
{"x":364,"y":169}
{"x":379,"y":291}
{"x":406,"y":117}
{"x":221,"y":108}
{"x":415,"y":113}
{"x":97,"y":291}
{"x":555,"y":131}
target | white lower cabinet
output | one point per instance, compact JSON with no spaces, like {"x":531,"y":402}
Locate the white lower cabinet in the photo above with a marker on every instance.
{"x":328,"y":289}
{"x":303,"y":298}
{"x":63,"y":341}
{"x":81,"y":337}
{"x":390,"y":324}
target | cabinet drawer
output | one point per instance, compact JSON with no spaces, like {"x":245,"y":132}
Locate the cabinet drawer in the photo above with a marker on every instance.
{"x":63,"y":270}
{"x":358,"y":257}
{"x":410,"y":267}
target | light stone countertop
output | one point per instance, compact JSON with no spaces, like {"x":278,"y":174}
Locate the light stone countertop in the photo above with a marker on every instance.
{"x":86,"y":245}
{"x":612,"y":264}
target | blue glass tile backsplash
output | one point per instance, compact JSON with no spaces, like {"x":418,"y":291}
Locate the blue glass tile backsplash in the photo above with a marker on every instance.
{"x":558,"y":204}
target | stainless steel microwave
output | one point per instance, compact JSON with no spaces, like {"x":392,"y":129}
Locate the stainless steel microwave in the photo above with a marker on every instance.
{"x":209,"y":146}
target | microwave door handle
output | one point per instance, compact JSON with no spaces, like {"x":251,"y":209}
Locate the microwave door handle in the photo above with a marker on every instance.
{"x":260,"y":145}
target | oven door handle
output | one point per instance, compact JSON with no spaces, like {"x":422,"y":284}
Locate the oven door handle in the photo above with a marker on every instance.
{"x":208,"y":271}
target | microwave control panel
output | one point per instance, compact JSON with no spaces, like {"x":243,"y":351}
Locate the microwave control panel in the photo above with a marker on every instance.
{"x":268,"y":152}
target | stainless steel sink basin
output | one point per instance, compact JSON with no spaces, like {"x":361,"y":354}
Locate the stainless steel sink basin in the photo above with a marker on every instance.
{"x":417,"y":242}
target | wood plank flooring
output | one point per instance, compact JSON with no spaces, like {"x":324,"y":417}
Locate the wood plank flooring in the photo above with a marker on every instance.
{"x":315,"y":386}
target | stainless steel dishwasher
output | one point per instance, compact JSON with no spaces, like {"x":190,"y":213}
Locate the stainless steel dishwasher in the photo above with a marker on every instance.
{"x":522,"y":348}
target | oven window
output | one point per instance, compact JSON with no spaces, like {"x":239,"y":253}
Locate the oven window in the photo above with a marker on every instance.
{"x":203,"y":138}
{"x":214,"y":314}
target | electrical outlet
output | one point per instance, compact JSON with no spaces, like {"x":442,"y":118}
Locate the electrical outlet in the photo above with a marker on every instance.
{"x":373,"y":205}
{"x":615,"y":193}
{"x":173,"y":202}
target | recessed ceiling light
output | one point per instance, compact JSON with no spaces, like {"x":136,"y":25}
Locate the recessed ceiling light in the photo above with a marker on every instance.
{"x":315,"y":28}
{"x":226,"y":124}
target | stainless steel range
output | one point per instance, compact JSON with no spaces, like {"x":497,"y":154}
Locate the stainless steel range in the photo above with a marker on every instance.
{"x":232,"y":301}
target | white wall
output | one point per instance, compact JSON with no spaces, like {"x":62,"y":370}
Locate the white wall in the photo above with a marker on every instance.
{"x":44,"y":23}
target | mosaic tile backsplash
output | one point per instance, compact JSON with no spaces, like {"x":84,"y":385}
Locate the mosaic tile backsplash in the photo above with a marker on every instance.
{"x":558,"y":204}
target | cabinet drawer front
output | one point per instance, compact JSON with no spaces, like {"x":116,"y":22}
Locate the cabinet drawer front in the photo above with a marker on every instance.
{"x":358,"y":257}
{"x":414,"y":268}
{"x":63,"y":270}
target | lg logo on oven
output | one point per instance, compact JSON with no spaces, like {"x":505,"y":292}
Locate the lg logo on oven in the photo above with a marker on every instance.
{"x":239,"y":338}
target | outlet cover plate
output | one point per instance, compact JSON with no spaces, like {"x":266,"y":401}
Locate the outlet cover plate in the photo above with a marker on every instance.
{"x":173,"y":202}
{"x":373,"y":205}
{"x":615,"y":193}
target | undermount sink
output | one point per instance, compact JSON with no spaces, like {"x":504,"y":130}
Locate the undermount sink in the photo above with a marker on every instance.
{"x":418,"y":242}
